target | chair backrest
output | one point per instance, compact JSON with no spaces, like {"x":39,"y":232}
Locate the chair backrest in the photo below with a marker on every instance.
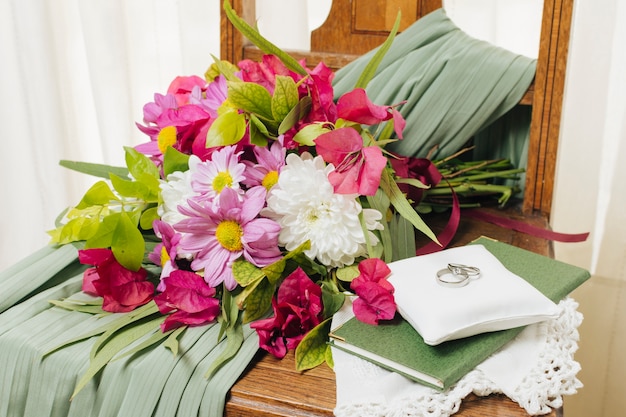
{"x":354,"y":27}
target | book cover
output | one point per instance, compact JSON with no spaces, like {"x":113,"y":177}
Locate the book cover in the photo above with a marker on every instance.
{"x":398,"y":347}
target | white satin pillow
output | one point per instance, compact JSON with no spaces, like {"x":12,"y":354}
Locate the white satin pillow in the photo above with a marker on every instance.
{"x":496,"y":300}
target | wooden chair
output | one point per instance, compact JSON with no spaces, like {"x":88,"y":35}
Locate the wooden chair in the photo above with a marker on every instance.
{"x":272,"y":387}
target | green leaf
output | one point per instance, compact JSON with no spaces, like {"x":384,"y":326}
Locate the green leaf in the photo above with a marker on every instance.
{"x":148,"y":217}
{"x":258,"y":131}
{"x":403,"y":236}
{"x":274,"y":271}
{"x":263,"y":44}
{"x":329,"y":357}
{"x":331,"y":298}
{"x":295,"y":114}
{"x":139,"y":164}
{"x":251,"y":98}
{"x":234,"y":334}
{"x":381,"y":202}
{"x":104,"y":236}
{"x":311,"y":351}
{"x":258,"y":301}
{"x":97,"y":170}
{"x":174,"y":160}
{"x":370,"y":70}
{"x":246,"y":273}
{"x":307,"y":135}
{"x":172,"y":341}
{"x":412,"y":181}
{"x":285,"y":97}
{"x":109,"y":330}
{"x":99,"y":194}
{"x":402,"y":205}
{"x":226,"y":68}
{"x":127,"y":243}
{"x":348,"y":273}
{"x":227,"y":129}
{"x":83,"y":308}
{"x":155,"y":338}
{"x":128,"y":188}
{"x":77,"y":229}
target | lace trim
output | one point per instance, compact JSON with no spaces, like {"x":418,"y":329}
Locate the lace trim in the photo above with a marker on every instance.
{"x":542,"y":389}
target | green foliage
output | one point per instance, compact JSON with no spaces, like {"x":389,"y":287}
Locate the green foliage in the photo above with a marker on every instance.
{"x":174,"y":160}
{"x":285,"y":97}
{"x":307,"y":135}
{"x":263,"y":44}
{"x":97,"y":170}
{"x":227,"y":129}
{"x":332,"y":298}
{"x":312,"y":350}
{"x":402,"y":205}
{"x":369,"y":71}
{"x":230,"y":321}
{"x":251,"y":98}
{"x":109,"y":216}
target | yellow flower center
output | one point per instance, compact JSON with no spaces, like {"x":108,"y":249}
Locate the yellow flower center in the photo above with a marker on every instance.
{"x":270,"y":180}
{"x":165,"y":257}
{"x":221,"y":180}
{"x":229,"y":235}
{"x":166,"y":137}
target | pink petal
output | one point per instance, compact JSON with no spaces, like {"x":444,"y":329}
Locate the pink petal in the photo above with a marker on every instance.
{"x":355,"y":106}
{"x":373,"y":304}
{"x":370,"y":174}
{"x":333,"y":146}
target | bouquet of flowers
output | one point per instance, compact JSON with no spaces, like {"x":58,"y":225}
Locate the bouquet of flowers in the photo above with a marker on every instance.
{"x":257,"y":200}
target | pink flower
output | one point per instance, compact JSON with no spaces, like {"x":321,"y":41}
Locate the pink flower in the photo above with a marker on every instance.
{"x":421,"y":169}
{"x":164,"y":254}
{"x":191,"y":299}
{"x":122,"y":290}
{"x":297,"y":309}
{"x":319,"y":85}
{"x":211,"y":99}
{"x":375,"y":294}
{"x":355,"y":106}
{"x":223,"y":171}
{"x":357,"y":169}
{"x":220,"y":233}
{"x":264,"y":73}
{"x":181,"y":88}
{"x":269,"y":163}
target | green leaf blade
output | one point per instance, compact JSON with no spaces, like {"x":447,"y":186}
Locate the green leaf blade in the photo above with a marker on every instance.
{"x":312,"y":349}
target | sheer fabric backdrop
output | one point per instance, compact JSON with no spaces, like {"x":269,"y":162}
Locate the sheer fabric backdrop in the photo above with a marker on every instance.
{"x":76,"y":73}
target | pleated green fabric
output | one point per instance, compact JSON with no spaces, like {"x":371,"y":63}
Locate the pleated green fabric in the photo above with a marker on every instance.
{"x":152,"y":382}
{"x":454,"y":85}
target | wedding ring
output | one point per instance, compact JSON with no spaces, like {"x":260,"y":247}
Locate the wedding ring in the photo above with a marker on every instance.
{"x":460,"y":269}
{"x":447,"y":278}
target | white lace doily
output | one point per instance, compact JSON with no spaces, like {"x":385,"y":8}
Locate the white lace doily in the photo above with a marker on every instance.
{"x":535,"y":370}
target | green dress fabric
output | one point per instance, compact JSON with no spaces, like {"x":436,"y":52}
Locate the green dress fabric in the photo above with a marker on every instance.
{"x":152,"y":382}
{"x":455,"y":86}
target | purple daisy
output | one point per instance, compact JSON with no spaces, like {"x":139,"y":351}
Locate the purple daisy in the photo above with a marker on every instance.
{"x":221,"y":233}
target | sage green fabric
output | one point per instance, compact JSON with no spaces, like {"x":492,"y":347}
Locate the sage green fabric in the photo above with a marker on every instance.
{"x":153,"y":382}
{"x":454,"y":85}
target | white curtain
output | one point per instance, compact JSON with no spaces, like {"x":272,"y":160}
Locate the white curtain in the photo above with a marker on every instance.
{"x":76,"y":73}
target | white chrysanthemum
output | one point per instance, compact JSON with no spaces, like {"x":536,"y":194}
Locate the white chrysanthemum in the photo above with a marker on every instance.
{"x":175,"y":191}
{"x":305,"y":206}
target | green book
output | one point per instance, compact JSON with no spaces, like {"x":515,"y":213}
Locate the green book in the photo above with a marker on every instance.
{"x":396,"y":346}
